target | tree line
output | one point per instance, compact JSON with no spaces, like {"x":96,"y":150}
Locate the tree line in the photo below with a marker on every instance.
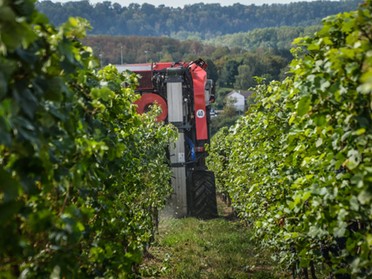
{"x":276,"y":38}
{"x":229,"y":67}
{"x":209,"y":19}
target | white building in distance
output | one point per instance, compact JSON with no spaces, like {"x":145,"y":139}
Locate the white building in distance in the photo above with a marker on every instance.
{"x":239,"y":99}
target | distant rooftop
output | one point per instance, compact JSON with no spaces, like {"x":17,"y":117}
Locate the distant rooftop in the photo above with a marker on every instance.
{"x":134,"y":67}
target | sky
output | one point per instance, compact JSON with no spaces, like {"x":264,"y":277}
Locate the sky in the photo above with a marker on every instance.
{"x":181,"y":3}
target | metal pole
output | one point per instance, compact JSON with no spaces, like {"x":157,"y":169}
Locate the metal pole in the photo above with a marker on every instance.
{"x":101,"y":59}
{"x":121,"y":54}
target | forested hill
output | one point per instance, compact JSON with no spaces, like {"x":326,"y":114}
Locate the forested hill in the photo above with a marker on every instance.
{"x":203,"y":21}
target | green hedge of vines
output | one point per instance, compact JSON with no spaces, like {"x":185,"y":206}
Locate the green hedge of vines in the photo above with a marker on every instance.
{"x":298,"y":165}
{"x":81,"y":173}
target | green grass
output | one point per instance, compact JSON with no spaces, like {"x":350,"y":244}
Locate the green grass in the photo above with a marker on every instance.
{"x":217,"y":248}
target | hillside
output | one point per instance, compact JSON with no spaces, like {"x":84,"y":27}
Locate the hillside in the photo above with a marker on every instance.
{"x":277,"y":38}
{"x":139,"y":49}
{"x":228,"y":66}
{"x":239,"y":42}
{"x":203,"y":21}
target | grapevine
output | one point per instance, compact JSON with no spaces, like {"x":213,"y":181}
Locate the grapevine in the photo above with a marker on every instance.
{"x":299,"y":161}
{"x":82,"y":174}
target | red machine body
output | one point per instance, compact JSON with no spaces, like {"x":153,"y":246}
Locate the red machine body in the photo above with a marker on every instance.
{"x":199,"y":80}
{"x":184,"y":95}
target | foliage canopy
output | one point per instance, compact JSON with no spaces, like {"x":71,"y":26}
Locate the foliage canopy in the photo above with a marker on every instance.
{"x":81,"y":172}
{"x":298,"y":165}
{"x":209,"y":20}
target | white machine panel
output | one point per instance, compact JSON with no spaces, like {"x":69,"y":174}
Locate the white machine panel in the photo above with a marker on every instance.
{"x":179,"y":197}
{"x":177,"y":150}
{"x":175,"y":101}
{"x":177,"y":158}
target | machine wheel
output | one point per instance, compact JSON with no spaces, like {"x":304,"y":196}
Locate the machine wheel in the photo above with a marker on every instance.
{"x":202,"y":197}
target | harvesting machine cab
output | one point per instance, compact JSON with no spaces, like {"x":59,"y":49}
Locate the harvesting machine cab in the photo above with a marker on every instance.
{"x":184,"y":95}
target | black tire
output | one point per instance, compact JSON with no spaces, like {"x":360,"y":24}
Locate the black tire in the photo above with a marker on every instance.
{"x":202,"y":198}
